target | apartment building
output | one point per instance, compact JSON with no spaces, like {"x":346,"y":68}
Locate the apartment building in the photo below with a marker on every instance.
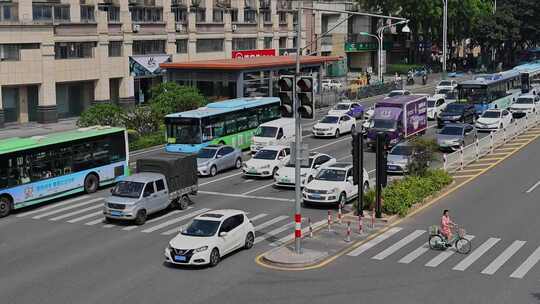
{"x":57,"y":57}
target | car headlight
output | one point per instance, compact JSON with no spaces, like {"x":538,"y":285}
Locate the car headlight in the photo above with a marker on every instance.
{"x":265,"y":167}
{"x":201,"y":249}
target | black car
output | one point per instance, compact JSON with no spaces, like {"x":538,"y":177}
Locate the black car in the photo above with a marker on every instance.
{"x":455,"y":113}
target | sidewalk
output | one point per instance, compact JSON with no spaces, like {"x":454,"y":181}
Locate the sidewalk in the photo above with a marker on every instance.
{"x":35,"y":129}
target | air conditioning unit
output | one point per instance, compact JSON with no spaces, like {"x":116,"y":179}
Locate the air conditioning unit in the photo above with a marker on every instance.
{"x":195,"y":3}
{"x":179,"y":27}
{"x":234,"y":27}
{"x":133,"y":2}
{"x":136,"y":28}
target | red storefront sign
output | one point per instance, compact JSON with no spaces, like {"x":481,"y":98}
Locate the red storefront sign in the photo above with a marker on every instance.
{"x":253,"y":53}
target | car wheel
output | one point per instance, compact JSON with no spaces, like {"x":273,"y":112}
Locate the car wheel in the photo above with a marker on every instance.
{"x":5,"y":206}
{"x":213,"y":170}
{"x":140,"y":219}
{"x":250,"y":240}
{"x":274,"y":172}
{"x":337,"y":133}
{"x":91,"y":183}
{"x":183,"y":203}
{"x":214,"y":257}
{"x":342,"y":199}
{"x":238,"y":163}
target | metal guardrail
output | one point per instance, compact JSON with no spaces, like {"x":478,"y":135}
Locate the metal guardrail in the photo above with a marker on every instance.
{"x":459,"y":159}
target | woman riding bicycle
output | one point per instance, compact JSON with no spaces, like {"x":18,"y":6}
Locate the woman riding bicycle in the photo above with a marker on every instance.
{"x":446,"y":225}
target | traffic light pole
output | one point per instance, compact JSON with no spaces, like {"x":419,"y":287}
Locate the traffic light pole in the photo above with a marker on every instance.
{"x":298,"y":142}
{"x":360,"y":210}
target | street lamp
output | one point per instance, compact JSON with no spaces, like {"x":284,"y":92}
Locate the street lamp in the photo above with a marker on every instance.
{"x":380,"y":40}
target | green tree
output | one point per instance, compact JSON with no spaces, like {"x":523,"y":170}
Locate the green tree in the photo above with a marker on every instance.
{"x":104,"y":114}
{"x":170,"y":97}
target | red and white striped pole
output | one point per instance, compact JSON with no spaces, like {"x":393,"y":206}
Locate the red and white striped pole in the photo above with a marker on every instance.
{"x":348,"y":239}
{"x":339,"y":214}
{"x":310,"y":228}
{"x":373,"y":218}
{"x":329,"y":220}
{"x":297,"y":226}
{"x":359,"y":224}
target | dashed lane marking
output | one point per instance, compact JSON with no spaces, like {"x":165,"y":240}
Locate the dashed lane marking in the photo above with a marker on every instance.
{"x":247,"y":196}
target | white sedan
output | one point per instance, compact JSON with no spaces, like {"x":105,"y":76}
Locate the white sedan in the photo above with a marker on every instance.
{"x":209,"y":237}
{"x":267,"y":161}
{"x":436,"y":104}
{"x":334,"y":125}
{"x":333,"y":185}
{"x":446,"y":84}
{"x":493,"y":120}
{"x":317,"y":161}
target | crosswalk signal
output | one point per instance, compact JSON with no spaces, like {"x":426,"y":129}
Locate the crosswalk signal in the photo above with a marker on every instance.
{"x":286,"y":93}
{"x":305,"y":94}
{"x":356,"y":156}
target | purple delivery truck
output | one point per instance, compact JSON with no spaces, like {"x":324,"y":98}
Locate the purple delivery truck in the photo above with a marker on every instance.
{"x":400,"y":117}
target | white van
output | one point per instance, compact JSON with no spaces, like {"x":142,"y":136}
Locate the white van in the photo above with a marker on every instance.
{"x":273,"y":133}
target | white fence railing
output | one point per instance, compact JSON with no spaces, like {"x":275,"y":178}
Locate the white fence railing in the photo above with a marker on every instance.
{"x":481,"y":147}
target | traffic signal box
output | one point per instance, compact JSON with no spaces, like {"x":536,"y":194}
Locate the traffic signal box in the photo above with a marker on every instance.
{"x":286,"y":94}
{"x":306,"y":96}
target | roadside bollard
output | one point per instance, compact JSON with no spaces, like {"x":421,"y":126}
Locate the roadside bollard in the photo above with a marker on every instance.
{"x":359,"y":224}
{"x":329,"y":220}
{"x":310,"y":228}
{"x":339,"y":214}
{"x":373,"y":218}
{"x":348,"y":239}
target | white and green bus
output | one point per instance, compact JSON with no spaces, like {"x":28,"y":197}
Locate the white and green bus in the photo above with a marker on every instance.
{"x":230,"y":122}
{"x":491,"y":91}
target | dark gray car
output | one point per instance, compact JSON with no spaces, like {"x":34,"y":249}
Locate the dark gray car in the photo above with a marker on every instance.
{"x":212,"y":159}
{"x":455,"y":136}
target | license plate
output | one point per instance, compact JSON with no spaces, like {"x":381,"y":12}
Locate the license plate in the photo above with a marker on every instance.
{"x":116,"y":213}
{"x":252,"y":171}
{"x":285,"y":180}
{"x":180,"y":258}
{"x":392,"y":167}
{"x":316,"y":195}
{"x":446,"y":121}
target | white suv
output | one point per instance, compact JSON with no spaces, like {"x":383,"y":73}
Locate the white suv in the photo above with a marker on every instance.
{"x":317,"y":161}
{"x":209,"y":237}
{"x":333,"y":185}
{"x":267,"y":161}
{"x":525,"y":104}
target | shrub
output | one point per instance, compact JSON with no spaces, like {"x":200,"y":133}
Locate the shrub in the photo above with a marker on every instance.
{"x":420,"y":162}
{"x":154,"y":139}
{"x":104,"y":114}
{"x":170,"y":97}
{"x":369,"y":200}
{"x":143,"y":120}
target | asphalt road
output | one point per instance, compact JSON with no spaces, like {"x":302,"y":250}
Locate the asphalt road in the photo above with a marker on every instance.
{"x":62,"y":252}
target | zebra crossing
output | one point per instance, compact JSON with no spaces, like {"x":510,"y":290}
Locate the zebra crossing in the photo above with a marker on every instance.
{"x":411,"y":247}
{"x":86,"y":211}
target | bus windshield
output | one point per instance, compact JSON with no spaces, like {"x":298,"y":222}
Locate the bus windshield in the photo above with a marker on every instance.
{"x":264,"y":131}
{"x":184,"y":131}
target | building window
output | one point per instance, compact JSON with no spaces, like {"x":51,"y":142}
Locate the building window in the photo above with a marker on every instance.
{"x":8,"y":12}
{"x":282,"y":17}
{"x":294,"y":42}
{"x":209,"y":45}
{"x":250,"y":16}
{"x":73,"y":50}
{"x":115,"y":48}
{"x":87,"y":13}
{"x":234,"y":15}
{"x":295,"y":18}
{"x":282,"y":42}
{"x":48,"y":12}
{"x":113,"y":14}
{"x":10,"y":52}
{"x":180,"y":14}
{"x":267,"y":16}
{"x":146,"y":47}
{"x":146,"y":14}
{"x":181,"y":46}
{"x":268,"y":42}
{"x":217,"y":15}
{"x":239,"y":44}
{"x":200,"y":14}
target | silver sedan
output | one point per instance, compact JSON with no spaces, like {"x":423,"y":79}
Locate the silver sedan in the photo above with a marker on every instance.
{"x":212,"y":159}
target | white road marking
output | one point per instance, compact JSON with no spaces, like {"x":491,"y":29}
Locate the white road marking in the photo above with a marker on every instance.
{"x":63,"y":216}
{"x":96,"y":221}
{"x":290,"y":237}
{"x":274,"y":232}
{"x":247,"y":196}
{"x":364,"y":247}
{"x":476,"y":254}
{"x":75,"y":220}
{"x":503,"y":257}
{"x":271,"y":222}
{"x":174,"y":221}
{"x":414,"y":254}
{"x":220,"y":179}
{"x":257,"y":189}
{"x":53,"y":206}
{"x":399,"y":244}
{"x":441,"y":257}
{"x":531,"y":189}
{"x":157,"y":218}
{"x":331,"y":143}
{"x":257,"y":217}
{"x":249,"y":180}
{"x":67,"y":208}
{"x":529,"y":263}
{"x":161,"y":147}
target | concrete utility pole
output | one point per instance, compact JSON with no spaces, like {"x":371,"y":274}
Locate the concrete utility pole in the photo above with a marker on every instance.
{"x":445,"y":36}
{"x":298,"y":141}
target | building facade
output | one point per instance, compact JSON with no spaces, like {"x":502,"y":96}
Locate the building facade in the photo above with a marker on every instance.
{"x":57,"y":57}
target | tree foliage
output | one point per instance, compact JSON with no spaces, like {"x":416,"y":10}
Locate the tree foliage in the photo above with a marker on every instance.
{"x":103,"y":114}
{"x":170,"y":97}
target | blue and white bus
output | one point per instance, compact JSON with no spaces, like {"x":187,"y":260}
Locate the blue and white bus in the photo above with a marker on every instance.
{"x":491,"y":91}
{"x":230,"y":122}
{"x":530,"y":77}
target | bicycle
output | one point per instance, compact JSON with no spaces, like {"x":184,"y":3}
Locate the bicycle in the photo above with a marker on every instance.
{"x":438,"y":242}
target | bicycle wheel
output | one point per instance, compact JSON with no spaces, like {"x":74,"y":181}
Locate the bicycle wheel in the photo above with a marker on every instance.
{"x":435,"y":241}
{"x":463,"y":246}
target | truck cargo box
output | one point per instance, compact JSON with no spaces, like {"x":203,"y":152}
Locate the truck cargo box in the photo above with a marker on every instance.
{"x":179,"y":169}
